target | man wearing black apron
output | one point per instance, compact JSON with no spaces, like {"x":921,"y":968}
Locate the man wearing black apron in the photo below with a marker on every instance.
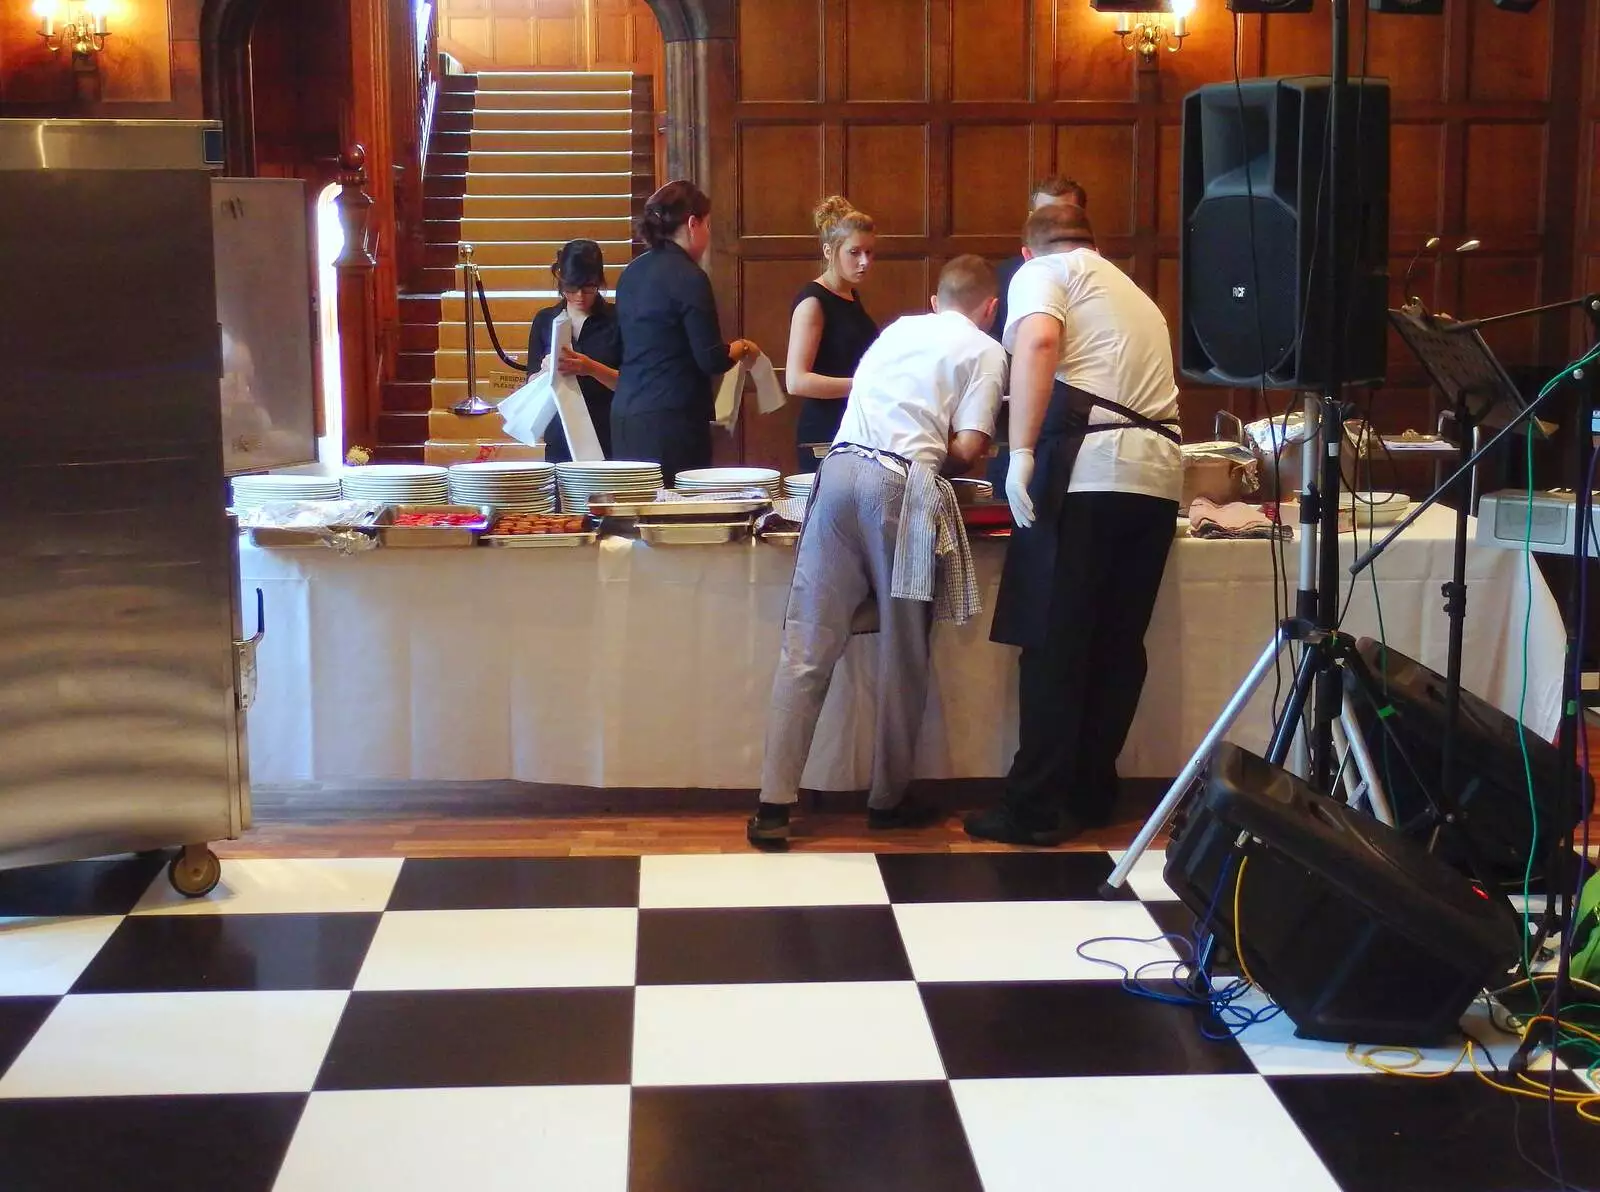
{"x":1094,"y":483}
{"x":1054,"y":189}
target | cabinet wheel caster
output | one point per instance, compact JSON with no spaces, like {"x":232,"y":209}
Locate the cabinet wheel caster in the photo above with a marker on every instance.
{"x":195,"y":871}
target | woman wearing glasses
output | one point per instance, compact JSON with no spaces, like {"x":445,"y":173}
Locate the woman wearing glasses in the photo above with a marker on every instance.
{"x":596,"y":352}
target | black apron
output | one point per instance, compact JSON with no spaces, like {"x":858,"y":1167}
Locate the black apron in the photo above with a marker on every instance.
{"x":1022,"y":608}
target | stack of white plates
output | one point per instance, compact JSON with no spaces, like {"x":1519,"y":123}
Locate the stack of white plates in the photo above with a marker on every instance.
{"x":251,"y":492}
{"x":799,"y":486}
{"x":398,"y":484}
{"x":516,"y":487}
{"x":719,"y":480}
{"x":625,"y":480}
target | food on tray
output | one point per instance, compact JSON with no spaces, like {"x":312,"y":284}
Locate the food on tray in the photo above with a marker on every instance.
{"x":539,"y":523}
{"x":437,"y":520}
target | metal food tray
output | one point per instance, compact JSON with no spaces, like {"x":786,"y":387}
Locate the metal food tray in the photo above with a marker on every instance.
{"x":278,"y":537}
{"x":678,"y":511}
{"x":694,"y":533}
{"x":780,"y":537}
{"x":391,"y":535}
{"x":537,"y":541}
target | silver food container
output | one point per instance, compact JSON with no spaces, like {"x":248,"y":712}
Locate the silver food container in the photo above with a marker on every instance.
{"x":391,"y":535}
{"x":694,"y":533}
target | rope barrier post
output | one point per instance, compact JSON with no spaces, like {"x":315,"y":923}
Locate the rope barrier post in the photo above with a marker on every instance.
{"x":472,"y":405}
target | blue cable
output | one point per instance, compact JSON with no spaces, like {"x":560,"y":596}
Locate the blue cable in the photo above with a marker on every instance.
{"x":1220,"y":1001}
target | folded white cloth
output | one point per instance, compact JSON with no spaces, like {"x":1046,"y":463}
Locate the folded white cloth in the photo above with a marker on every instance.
{"x":549,"y":393}
{"x":730,"y":394}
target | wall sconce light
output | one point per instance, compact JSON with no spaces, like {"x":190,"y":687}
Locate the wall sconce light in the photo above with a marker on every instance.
{"x":1144,"y":27}
{"x":76,"y":25}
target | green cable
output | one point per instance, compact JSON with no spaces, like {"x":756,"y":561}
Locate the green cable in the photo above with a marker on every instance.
{"x":1527,"y":633}
{"x":1522,"y":706}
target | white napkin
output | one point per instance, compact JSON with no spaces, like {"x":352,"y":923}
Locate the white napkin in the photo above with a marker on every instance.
{"x":730,"y":395}
{"x":526,"y":414}
{"x":581,"y":438}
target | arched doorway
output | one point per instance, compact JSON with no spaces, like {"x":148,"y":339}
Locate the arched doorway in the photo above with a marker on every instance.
{"x":228,"y":73}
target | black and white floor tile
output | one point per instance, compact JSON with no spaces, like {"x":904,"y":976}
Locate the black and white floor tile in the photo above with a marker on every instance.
{"x":680,"y":1024}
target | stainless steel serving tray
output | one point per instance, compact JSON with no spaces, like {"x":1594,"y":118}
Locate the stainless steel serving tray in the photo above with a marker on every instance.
{"x":391,"y":535}
{"x":278,"y":538}
{"x":584,"y":537}
{"x":538,"y":541}
{"x":679,"y":511}
{"x":694,"y":533}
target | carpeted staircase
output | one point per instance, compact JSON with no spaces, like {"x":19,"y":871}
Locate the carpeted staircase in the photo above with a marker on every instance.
{"x":520,"y":163}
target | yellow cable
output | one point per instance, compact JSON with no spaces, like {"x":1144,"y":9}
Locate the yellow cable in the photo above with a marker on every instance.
{"x":1586,"y":1105}
{"x":1368,"y":1058}
{"x":1238,"y":927}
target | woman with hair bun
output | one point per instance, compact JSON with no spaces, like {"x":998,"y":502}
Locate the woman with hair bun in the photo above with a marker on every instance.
{"x":673,"y":349}
{"x":830,"y":329}
{"x":580,"y":271}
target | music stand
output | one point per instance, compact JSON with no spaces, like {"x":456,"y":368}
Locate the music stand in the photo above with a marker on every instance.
{"x":1464,"y":368}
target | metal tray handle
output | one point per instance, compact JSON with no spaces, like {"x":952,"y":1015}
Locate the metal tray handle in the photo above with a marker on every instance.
{"x":245,"y":656}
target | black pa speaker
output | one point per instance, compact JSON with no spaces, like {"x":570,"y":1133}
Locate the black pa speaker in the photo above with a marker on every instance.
{"x":1493,"y":802}
{"x":1359,"y":933}
{"x":1254,"y":172}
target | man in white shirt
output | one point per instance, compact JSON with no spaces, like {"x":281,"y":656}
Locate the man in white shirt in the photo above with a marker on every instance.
{"x":922,"y":403}
{"x":1095,"y":478}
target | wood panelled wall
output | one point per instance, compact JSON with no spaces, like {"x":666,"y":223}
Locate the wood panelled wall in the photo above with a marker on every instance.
{"x":149,"y":70}
{"x":552,"y":35}
{"x":935,"y":115}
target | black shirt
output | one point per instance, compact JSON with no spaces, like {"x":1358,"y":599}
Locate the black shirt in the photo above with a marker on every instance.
{"x":847,"y":333}
{"x":672,"y":344}
{"x":600,"y":339}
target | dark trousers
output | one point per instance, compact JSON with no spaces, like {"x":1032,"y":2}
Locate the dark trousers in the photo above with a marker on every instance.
{"x":1080,"y":689}
{"x":675,"y":439}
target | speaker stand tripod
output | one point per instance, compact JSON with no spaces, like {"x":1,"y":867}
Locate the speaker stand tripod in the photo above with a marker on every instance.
{"x":1315,"y":625}
{"x":1329,"y":662}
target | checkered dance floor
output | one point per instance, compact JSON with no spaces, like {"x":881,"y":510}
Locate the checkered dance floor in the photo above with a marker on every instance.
{"x":814,"y":1023}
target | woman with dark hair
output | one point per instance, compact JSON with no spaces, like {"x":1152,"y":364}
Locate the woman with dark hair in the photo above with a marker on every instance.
{"x":596,"y":352}
{"x":673,"y":349}
{"x":830,"y":329}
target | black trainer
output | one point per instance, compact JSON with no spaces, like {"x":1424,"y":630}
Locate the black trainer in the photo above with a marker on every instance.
{"x":908,"y":813}
{"x":1000,"y":825}
{"x":768,"y":828}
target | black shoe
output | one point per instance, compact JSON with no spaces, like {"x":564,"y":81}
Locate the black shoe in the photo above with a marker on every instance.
{"x":768,"y":828}
{"x":1002,"y":826}
{"x":908,"y":813}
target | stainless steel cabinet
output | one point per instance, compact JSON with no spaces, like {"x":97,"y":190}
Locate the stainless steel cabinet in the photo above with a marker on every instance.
{"x":120,"y":710}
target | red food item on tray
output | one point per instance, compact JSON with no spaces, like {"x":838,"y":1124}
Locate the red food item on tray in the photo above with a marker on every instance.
{"x":438,"y":520}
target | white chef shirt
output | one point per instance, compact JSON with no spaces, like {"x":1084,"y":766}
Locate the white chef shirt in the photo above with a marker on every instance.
{"x":924,"y":378}
{"x":1114,"y":345}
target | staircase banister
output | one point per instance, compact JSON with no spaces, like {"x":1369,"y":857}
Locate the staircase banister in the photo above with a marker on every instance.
{"x":356,"y":273}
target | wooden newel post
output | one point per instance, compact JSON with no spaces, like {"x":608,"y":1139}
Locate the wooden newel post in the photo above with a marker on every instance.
{"x":358,"y":303}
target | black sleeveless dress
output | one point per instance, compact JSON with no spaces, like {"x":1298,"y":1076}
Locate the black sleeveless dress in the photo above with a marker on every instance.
{"x":847,"y":333}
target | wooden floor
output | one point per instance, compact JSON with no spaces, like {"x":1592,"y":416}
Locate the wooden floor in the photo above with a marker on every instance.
{"x":603,"y":835}
{"x":486,"y":820}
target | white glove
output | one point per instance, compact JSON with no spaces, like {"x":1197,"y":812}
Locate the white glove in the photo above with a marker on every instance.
{"x":1018,"y":476}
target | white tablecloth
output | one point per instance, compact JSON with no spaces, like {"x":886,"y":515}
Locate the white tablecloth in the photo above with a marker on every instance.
{"x":634,"y":666}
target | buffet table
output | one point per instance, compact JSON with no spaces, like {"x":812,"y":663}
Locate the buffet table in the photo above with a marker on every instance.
{"x":625,"y":665}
